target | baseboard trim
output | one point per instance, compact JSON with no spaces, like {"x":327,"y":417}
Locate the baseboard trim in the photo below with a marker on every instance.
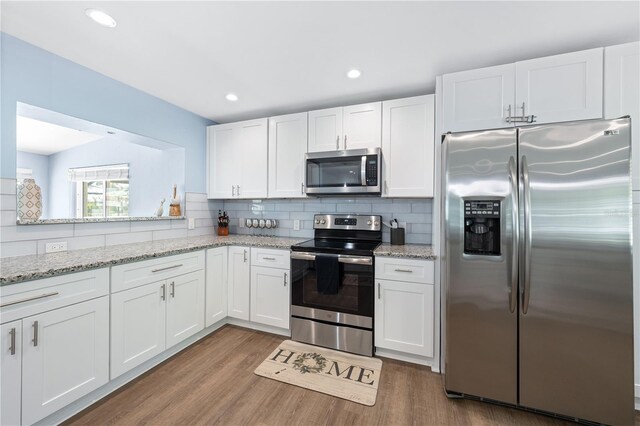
{"x":115,"y":384}
{"x":414,"y":359}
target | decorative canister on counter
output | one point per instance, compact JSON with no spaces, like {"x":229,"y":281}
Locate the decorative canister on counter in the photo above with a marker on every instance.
{"x":29,"y":200}
{"x":223,"y":223}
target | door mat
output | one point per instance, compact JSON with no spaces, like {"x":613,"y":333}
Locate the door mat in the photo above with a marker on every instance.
{"x":336,"y":373}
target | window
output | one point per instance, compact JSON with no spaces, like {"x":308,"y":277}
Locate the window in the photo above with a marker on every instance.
{"x":101,"y":191}
{"x":103,"y":198}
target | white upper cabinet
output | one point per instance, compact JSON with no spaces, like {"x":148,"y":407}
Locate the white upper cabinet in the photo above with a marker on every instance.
{"x":350,"y":127}
{"x":622,"y":94}
{"x":545,"y":90}
{"x":408,"y":147}
{"x":560,"y":88}
{"x":325,"y":130}
{"x":11,"y":370}
{"x":362,"y":126}
{"x":478,"y":99}
{"x":287,"y":146}
{"x":237,"y":160}
{"x":253,"y":157}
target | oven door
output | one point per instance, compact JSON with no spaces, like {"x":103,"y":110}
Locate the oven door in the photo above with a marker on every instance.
{"x":351,"y":305}
{"x":343,"y":172}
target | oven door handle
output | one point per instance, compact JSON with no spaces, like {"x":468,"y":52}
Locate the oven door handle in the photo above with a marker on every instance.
{"x":363,"y":170}
{"x":342,"y":258}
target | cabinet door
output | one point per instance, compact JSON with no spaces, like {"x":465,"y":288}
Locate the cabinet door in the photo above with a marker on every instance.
{"x":239,"y":277}
{"x":223,"y":156}
{"x":622,"y":94}
{"x":252,"y":138}
{"x":10,"y":372}
{"x":65,"y":356}
{"x":561,"y":88}
{"x":362,"y":126}
{"x":407,"y":147}
{"x":478,"y":99}
{"x":325,"y":130}
{"x":216,"y":288}
{"x":404,"y":317}
{"x":287,"y":146}
{"x":137,"y":326}
{"x":185,"y":306}
{"x":270,"y":290}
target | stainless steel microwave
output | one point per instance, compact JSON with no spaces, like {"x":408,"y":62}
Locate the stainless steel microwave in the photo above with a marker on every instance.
{"x":353,"y":171}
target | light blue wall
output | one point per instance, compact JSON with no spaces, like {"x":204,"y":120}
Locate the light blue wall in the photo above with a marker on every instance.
{"x":39,"y":165}
{"x":38,"y":77}
{"x":152,"y":173}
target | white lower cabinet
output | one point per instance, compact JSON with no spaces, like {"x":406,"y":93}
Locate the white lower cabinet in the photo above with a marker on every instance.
{"x":239,"y":277}
{"x":185,"y":306}
{"x":404,"y":306}
{"x":10,"y":372}
{"x":270,"y":292}
{"x":65,"y":356}
{"x":216,"y":285}
{"x":404,"y":317}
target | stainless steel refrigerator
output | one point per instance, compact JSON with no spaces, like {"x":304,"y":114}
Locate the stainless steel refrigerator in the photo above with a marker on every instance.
{"x":537,"y":268}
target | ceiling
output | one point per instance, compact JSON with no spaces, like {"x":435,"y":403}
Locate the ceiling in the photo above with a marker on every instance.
{"x":282,"y":57}
{"x":41,"y":137}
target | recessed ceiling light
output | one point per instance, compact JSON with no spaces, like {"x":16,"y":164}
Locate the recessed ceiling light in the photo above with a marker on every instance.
{"x":231,"y":97}
{"x":101,"y":17}
{"x":354,"y":73}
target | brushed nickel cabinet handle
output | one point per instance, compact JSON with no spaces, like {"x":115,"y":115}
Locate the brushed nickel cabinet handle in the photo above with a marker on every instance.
{"x":35,"y":334}
{"x":233,"y":190}
{"x":378,"y":291}
{"x":12,"y":347}
{"x":29,"y":299}
{"x":245,"y":256}
{"x":269,"y":258}
{"x":338,"y":142}
{"x":163,"y":296}
{"x":345,"y":141}
{"x":168,"y":267}
{"x":285,"y":279}
{"x":173,"y":289}
{"x":404,"y":270}
{"x":302,"y":188}
{"x":238,"y":188}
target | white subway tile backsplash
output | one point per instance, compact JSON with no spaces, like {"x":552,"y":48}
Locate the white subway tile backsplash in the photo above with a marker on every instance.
{"x":128,"y":238}
{"x":7,"y":218}
{"x":18,"y":248}
{"x":199,"y":197}
{"x":201,"y":231}
{"x":82,"y":229}
{"x":151,"y":225}
{"x":8,"y":186}
{"x":75,"y":243}
{"x":8,"y":202}
{"x":35,"y":232}
{"x":169,"y":233}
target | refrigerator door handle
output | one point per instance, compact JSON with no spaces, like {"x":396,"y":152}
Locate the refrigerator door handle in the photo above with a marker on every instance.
{"x":526,"y":203}
{"x":513,"y":181}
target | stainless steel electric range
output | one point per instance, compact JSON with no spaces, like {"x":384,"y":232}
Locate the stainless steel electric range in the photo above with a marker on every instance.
{"x":332,"y":283}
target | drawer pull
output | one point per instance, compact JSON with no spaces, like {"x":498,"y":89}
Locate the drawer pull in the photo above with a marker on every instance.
{"x":168,"y":267}
{"x":404,"y":270}
{"x":12,"y":348}
{"x":285,"y":279}
{"x":269,"y":258}
{"x":163,"y":296}
{"x":42,"y":296}
{"x":173,"y":289}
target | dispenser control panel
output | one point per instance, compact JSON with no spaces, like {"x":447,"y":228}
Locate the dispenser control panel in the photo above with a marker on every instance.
{"x":485,"y":208}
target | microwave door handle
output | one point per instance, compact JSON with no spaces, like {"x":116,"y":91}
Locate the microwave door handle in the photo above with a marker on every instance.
{"x":363,"y":170}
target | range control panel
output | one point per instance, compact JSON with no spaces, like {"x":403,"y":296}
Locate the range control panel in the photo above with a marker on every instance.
{"x":485,"y":208}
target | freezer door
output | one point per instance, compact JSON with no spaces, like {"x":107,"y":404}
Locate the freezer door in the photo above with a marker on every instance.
{"x":480,"y":261}
{"x":576,"y":318}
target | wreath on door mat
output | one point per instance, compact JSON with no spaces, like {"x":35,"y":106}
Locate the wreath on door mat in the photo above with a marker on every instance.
{"x":300,"y":363}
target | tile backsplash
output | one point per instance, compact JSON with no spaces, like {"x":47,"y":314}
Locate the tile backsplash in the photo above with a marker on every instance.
{"x":415,"y":212}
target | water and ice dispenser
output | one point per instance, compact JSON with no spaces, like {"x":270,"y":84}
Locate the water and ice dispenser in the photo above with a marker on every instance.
{"x":482,"y":227}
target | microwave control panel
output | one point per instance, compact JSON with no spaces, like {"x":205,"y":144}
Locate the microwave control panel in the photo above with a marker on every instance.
{"x":482,"y":208}
{"x":372,"y":170}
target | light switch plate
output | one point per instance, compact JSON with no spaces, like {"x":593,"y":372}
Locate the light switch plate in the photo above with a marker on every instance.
{"x":296,"y":224}
{"x":191,"y":223}
{"x":55,"y":247}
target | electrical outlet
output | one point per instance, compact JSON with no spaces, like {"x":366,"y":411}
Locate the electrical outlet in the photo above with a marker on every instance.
{"x":191,"y":223}
{"x":296,"y":224}
{"x":241,"y":222}
{"x":55,"y":247}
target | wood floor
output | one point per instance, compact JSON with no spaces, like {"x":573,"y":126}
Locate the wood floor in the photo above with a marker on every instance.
{"x":212,"y":382}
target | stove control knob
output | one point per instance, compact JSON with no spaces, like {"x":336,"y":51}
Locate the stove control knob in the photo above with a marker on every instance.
{"x":369,"y":222}
{"x":376,"y":223}
{"x":323,"y":221}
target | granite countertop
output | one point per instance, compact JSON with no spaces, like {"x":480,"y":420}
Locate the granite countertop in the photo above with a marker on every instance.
{"x":24,"y":268}
{"x":409,"y":251}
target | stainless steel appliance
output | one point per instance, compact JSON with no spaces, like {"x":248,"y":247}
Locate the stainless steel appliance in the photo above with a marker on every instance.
{"x":537,"y":268}
{"x":353,"y":171}
{"x":332,"y":283}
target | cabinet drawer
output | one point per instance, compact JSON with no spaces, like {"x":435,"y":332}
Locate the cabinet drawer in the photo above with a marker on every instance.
{"x":33,"y":297}
{"x":271,"y":258}
{"x":408,"y":270}
{"x":139,"y":273}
